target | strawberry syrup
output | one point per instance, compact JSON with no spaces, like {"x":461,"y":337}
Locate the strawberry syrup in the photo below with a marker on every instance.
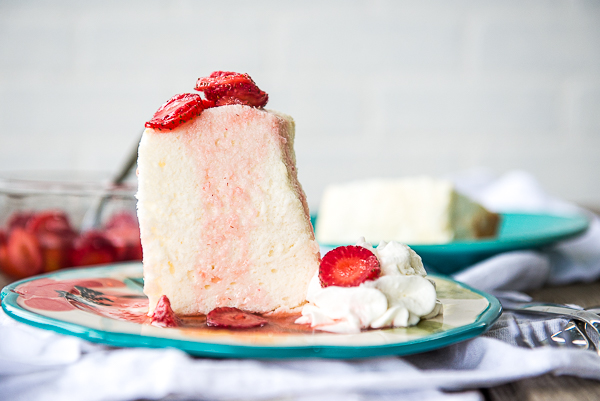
{"x":110,"y":298}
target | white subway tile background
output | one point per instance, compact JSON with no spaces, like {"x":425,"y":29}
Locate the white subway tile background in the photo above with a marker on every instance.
{"x":377,"y":88}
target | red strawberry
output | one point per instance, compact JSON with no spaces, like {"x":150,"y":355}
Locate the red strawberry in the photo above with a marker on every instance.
{"x":163,"y":315}
{"x":134,"y":251}
{"x":19,"y":219}
{"x":224,"y":88}
{"x":3,"y":254}
{"x":179,"y":109}
{"x":21,"y":256}
{"x":124,"y":233}
{"x":121,"y":219}
{"x":233,"y":318}
{"x":55,"y":235}
{"x":208,"y":103}
{"x":3,"y":250}
{"x":93,"y":248}
{"x":50,"y":221}
{"x":348,"y":266}
{"x":3,"y":257}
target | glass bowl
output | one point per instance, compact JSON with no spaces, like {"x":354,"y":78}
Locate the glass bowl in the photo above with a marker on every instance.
{"x":53,"y":220}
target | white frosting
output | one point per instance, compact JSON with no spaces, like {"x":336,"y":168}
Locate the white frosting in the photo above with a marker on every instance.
{"x":400,"y":297}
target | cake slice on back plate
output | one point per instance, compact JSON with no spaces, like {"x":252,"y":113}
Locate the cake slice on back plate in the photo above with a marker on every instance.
{"x":418,"y":210}
{"x":224,"y":221}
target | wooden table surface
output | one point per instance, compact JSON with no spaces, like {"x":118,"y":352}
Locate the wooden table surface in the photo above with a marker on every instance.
{"x":549,"y":387}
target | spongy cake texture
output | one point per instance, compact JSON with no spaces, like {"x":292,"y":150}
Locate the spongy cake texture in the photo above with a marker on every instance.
{"x":223,"y":218}
{"x":419,"y":210}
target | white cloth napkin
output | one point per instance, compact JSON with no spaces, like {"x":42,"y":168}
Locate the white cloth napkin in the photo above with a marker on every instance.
{"x":42,"y":365}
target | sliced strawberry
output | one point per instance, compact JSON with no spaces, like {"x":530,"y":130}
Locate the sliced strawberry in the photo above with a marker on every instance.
{"x":56,"y":258}
{"x":3,"y":249}
{"x":208,"y":103}
{"x":133,"y":251}
{"x":233,"y":318}
{"x":124,"y":232}
{"x":3,"y":256}
{"x":55,"y":236}
{"x":126,"y":249}
{"x":163,"y":315}
{"x":19,"y":219}
{"x":51,"y":221}
{"x":127,"y":243}
{"x":93,"y":248}
{"x":121,"y":219}
{"x":223,"y":88}
{"x":21,"y":257}
{"x":348,"y":266}
{"x":179,"y":109}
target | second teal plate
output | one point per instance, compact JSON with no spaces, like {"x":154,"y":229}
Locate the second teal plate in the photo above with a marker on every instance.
{"x":517,"y":231}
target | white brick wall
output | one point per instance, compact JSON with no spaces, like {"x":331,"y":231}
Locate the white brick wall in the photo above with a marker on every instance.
{"x":376,"y":87}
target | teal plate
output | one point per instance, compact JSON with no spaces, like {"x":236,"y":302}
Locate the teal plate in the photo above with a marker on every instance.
{"x":517,"y":231}
{"x":106,"y":305}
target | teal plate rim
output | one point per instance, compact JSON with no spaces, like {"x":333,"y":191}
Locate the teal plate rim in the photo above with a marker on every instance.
{"x":196,"y":348}
{"x":570,"y":225}
{"x":518,"y":231}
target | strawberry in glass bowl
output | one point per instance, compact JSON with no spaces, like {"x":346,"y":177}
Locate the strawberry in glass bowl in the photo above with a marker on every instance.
{"x":45,"y":222}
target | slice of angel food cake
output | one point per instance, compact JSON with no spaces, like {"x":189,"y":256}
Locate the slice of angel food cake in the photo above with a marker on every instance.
{"x":415,"y":210}
{"x":224,"y":222}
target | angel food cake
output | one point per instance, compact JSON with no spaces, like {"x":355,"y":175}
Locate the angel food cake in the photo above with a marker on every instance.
{"x":419,"y":210}
{"x":224,"y":221}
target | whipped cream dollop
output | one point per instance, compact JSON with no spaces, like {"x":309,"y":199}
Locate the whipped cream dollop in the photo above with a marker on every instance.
{"x":400,"y":297}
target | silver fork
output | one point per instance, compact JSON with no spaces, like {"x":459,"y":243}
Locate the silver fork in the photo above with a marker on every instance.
{"x":585,"y":329}
{"x":527,"y":337}
{"x":578,"y":334}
